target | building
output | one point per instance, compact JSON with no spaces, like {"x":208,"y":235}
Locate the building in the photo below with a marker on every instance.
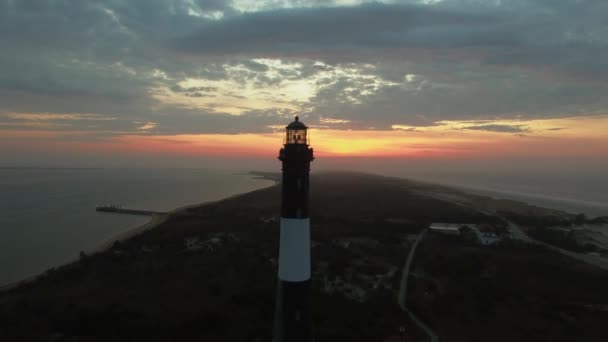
{"x":449,"y":228}
{"x":486,"y":238}
{"x":292,"y":311}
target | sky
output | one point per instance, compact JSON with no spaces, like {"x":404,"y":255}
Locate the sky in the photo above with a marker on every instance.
{"x":207,"y":83}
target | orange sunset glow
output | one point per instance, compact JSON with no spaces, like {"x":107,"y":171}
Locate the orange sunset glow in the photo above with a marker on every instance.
{"x":556,"y":137}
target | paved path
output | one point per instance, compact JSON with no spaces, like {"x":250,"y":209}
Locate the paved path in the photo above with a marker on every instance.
{"x":403,"y":290}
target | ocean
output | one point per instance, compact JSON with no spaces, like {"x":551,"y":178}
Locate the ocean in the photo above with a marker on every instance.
{"x":574,"y":194}
{"x":47,"y":216}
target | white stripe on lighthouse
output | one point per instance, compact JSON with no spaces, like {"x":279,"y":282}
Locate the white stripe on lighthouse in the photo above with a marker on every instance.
{"x":294,"y":249}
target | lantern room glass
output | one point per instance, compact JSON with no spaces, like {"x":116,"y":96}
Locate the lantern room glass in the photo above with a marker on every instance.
{"x":296,"y":136}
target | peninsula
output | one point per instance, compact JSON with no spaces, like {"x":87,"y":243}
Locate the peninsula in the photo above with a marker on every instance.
{"x":208,"y":272}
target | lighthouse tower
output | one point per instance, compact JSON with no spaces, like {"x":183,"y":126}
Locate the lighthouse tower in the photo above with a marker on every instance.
{"x":292,"y":316}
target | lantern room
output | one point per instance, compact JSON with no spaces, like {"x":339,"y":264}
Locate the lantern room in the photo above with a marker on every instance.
{"x":295,"y":133}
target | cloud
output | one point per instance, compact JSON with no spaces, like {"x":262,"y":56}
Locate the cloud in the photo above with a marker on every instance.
{"x":198,"y":94}
{"x":145,"y":126}
{"x":370,"y":26}
{"x":499,"y":128}
{"x":177,"y":88}
{"x":368,"y":64}
{"x":558,"y":34}
{"x":55,"y":116}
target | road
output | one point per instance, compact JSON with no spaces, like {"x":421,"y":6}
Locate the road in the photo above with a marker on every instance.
{"x":403,"y":290}
{"x":519,"y":234}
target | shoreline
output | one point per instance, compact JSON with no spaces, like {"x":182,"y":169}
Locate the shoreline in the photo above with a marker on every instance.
{"x":157,"y":220}
{"x":153,"y":222}
{"x":569,"y":205}
{"x":566,"y":204}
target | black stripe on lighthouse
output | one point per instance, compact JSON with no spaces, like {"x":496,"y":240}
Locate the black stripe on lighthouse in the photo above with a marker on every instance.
{"x":292,"y":316}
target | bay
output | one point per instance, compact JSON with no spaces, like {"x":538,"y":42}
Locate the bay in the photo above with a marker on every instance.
{"x":47,"y":216}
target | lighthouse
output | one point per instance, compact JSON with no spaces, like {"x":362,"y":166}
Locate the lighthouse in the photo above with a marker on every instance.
{"x":292,"y":315}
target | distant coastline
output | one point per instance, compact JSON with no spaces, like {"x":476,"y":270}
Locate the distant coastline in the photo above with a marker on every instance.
{"x":157,"y":220}
{"x":570,"y":205}
{"x":271,"y":176}
{"x":48,"y":168}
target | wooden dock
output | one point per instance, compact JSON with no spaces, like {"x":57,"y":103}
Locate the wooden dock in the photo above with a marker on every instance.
{"x":121,"y":210}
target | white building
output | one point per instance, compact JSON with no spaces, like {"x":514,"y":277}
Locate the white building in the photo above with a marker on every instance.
{"x":487,"y":239}
{"x":449,"y":228}
{"x":192,"y":244}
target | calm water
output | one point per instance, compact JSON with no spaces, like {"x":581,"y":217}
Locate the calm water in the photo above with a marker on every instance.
{"x":47,"y":216}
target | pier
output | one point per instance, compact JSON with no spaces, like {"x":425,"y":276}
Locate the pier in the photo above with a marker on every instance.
{"x":118,"y":209}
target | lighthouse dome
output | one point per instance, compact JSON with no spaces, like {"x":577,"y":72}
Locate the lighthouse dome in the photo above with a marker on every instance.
{"x":297,"y":124}
{"x":295,"y":133}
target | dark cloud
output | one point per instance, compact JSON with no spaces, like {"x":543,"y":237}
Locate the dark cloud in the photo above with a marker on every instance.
{"x":179,"y":89}
{"x":188,"y":121}
{"x":373,"y":26}
{"x":452,"y":95}
{"x":499,"y":128}
{"x":215,"y":5}
{"x":563,"y":34}
{"x":255,"y":66}
{"x":198,"y":94}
